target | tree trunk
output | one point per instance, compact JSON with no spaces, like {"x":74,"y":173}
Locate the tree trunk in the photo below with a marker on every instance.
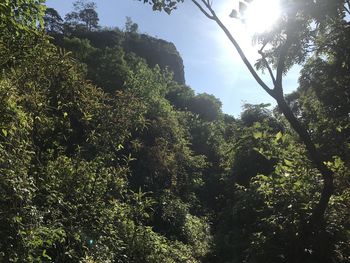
{"x":315,"y":222}
{"x":315,"y":157}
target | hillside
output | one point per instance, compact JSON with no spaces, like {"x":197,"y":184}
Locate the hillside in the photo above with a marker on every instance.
{"x":106,"y":155}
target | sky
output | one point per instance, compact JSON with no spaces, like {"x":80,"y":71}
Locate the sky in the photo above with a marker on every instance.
{"x":211,"y":63}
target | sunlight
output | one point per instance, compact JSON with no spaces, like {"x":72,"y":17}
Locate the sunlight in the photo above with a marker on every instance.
{"x":252,"y":17}
{"x":261,"y":15}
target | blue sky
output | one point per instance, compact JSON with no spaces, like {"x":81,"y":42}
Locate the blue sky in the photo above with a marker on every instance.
{"x":211,"y":63}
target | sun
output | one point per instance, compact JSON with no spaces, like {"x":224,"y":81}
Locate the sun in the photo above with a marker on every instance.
{"x":261,"y":15}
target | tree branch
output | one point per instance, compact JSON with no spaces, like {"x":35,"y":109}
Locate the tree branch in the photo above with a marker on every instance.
{"x":277,"y":93}
{"x":315,"y":157}
{"x":281,"y":65}
{"x":202,"y":9}
{"x":347,"y":9}
{"x":238,"y":48}
{"x":267,"y":66}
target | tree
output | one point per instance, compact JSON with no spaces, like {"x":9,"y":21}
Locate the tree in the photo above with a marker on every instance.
{"x":290,"y":43}
{"x":130,"y":26}
{"x":53,"y":22}
{"x":76,"y":158}
{"x":166,"y":5}
{"x":84,"y":16}
{"x":206,"y":106}
{"x":18,"y":19}
{"x":21,"y":15}
{"x":64,"y":193}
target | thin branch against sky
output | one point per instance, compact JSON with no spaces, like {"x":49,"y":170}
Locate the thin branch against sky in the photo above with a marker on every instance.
{"x":211,"y":63}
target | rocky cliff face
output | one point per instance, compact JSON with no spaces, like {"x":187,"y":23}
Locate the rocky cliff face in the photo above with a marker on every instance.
{"x":155,"y":51}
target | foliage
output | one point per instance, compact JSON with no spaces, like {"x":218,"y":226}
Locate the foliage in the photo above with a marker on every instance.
{"x":84,"y":16}
{"x":166,"y":5}
{"x":53,"y":22}
{"x":271,"y":229}
{"x":19,"y":15}
{"x":107,"y":157}
{"x":130,"y":26}
{"x":206,"y":106}
{"x":305,"y":29}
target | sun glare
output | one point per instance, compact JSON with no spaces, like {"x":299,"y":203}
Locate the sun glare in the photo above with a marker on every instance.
{"x":261,"y":15}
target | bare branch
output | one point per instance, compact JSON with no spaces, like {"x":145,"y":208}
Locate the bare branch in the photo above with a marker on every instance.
{"x":207,"y":4}
{"x":202,"y":10}
{"x":347,"y":9}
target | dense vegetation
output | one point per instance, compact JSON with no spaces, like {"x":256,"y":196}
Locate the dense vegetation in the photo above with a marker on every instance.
{"x":107,"y":156}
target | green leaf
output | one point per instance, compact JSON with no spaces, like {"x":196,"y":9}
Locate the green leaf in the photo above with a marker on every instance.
{"x":257,"y":135}
{"x":46,"y":255}
{"x":4,"y":132}
{"x":279,"y":135}
{"x":257,"y":125}
{"x":287,"y":162}
{"x":338,"y":162}
{"x":120,"y":147}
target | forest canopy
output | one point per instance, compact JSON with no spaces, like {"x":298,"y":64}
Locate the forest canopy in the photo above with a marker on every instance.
{"x":106,"y":155}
